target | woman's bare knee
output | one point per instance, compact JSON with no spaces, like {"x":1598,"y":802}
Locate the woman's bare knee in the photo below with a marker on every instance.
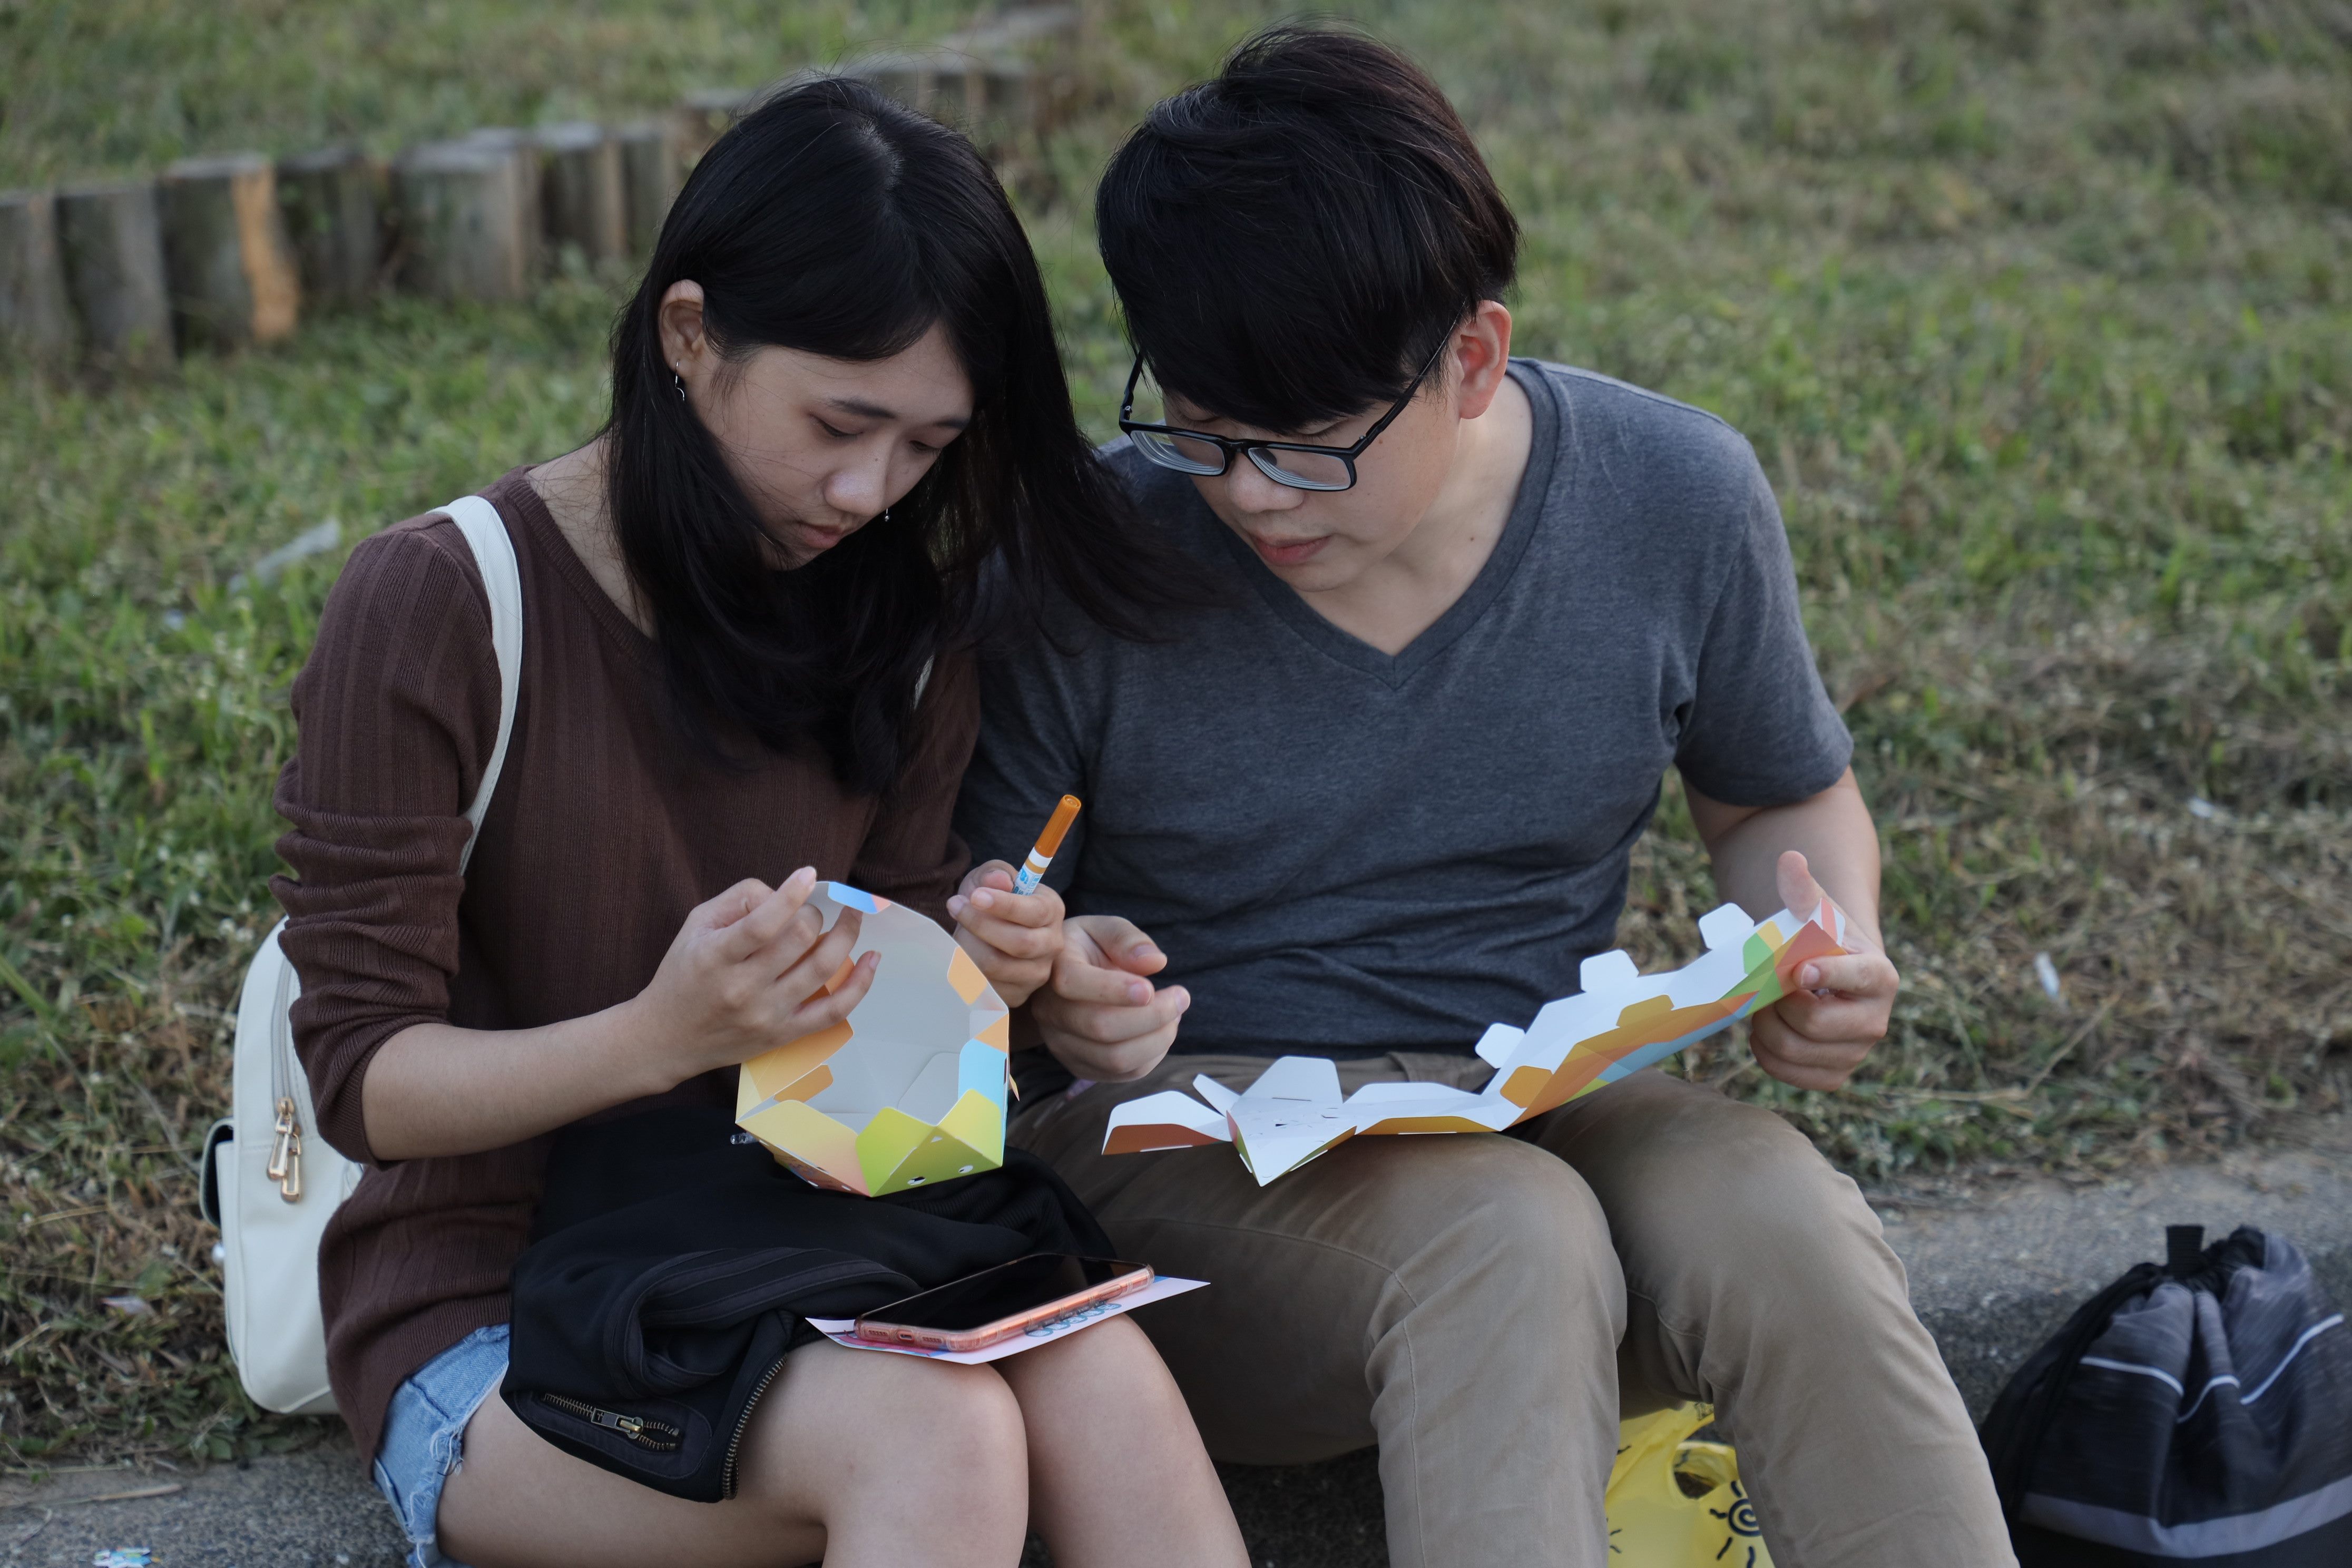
{"x":866,"y":1442}
{"x":1120,"y":1475}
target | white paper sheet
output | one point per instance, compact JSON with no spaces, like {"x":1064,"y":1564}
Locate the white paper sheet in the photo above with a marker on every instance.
{"x":838,"y":1330}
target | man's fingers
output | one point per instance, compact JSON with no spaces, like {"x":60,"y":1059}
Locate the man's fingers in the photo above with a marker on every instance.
{"x":1820,"y":1081}
{"x":1800,"y":894}
{"x":1831,"y":1020}
{"x":1118,"y":1024}
{"x":1786,"y":1041}
{"x":1076,"y":980}
{"x":762,"y":924}
{"x":1804,"y":1062}
{"x":1122,"y":943}
{"x":1854,"y":973}
{"x":1122,"y":1063}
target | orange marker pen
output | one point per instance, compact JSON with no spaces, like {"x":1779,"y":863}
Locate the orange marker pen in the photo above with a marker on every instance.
{"x":1032,"y":870}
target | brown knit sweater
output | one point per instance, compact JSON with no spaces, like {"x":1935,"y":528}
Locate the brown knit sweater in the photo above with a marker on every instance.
{"x":604,"y":831}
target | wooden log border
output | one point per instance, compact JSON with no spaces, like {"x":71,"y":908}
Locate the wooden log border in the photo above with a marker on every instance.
{"x":224,"y":251}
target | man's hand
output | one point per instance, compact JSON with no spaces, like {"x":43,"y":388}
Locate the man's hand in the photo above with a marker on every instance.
{"x":1816,"y":1035}
{"x":1100,"y":1017}
{"x":1013,"y":937}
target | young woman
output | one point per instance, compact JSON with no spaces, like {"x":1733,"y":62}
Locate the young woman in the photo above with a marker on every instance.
{"x":748,"y":609}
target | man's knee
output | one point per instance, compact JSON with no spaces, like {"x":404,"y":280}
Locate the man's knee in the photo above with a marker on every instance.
{"x":1715,"y":1188}
{"x":1489,"y":1215}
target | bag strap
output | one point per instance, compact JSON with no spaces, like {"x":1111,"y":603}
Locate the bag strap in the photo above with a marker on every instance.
{"x":485,"y":532}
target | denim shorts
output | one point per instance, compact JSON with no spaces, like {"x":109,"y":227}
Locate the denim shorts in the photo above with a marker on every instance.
{"x":424,"y":1435}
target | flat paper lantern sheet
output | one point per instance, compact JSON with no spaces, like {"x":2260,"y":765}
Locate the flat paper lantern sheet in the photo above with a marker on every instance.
{"x":1619,"y":1022}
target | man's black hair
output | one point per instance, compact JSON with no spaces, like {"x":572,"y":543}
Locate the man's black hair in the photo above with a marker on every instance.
{"x":1292,"y":241}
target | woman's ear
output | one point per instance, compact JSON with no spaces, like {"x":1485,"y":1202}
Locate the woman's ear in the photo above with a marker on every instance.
{"x":684,"y":344}
{"x":1482,"y":347}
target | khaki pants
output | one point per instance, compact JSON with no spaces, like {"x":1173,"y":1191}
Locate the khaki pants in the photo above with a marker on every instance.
{"x":1485,"y":1308}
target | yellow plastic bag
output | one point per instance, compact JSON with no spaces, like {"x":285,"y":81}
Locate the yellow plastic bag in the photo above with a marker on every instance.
{"x":1654,"y":1523}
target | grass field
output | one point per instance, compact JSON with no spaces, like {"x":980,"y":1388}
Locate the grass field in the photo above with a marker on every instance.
{"x":2039,"y":315}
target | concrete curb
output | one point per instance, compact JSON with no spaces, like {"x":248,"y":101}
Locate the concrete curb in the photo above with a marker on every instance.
{"x":1994,"y":1270}
{"x":1994,"y":1278}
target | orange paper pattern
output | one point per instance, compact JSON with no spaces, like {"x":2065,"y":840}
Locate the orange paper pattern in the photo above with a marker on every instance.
{"x":1619,"y":1022}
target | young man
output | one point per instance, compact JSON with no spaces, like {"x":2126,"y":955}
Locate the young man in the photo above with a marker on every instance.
{"x":1382,"y":793}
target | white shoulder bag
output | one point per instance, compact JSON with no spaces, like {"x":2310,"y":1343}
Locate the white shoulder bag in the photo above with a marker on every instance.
{"x":269,"y":1185}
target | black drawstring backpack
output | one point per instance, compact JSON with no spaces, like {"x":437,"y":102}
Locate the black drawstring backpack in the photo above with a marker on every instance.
{"x":2197,"y":1412}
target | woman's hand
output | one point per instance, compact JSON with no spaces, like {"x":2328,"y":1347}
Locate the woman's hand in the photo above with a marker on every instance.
{"x":1013,"y":937}
{"x":1100,"y":1017}
{"x":1816,"y":1035}
{"x":752,"y":970}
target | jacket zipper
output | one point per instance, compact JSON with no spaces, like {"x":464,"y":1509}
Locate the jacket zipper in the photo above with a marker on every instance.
{"x":743,"y":1425}
{"x":636,"y":1429}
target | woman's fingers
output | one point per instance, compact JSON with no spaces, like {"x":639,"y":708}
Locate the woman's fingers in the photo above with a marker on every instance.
{"x":995,"y":875}
{"x":768,"y":920}
{"x":728,"y":907}
{"x":827,"y":1009}
{"x":812,"y":964}
{"x":1018,"y":925}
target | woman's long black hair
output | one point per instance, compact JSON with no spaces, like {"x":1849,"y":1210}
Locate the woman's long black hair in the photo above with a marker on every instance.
{"x":832,"y":221}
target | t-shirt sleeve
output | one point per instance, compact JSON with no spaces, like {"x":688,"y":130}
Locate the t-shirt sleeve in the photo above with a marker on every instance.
{"x":1760,"y":728}
{"x":1028,"y":758}
{"x":396,"y":712}
{"x":912,"y":854}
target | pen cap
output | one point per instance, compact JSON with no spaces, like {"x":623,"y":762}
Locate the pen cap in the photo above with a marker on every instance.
{"x":1057,"y":827}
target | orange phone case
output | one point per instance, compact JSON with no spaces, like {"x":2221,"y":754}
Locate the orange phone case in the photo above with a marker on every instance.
{"x":987,"y":1334}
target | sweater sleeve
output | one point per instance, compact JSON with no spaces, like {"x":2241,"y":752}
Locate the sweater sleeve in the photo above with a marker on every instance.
{"x":912,"y":854}
{"x":396,"y":713}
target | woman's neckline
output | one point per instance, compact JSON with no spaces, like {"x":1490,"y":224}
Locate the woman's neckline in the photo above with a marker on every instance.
{"x":539,"y":519}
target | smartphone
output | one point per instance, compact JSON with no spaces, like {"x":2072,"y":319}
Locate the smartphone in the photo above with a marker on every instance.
{"x":993,"y":1305}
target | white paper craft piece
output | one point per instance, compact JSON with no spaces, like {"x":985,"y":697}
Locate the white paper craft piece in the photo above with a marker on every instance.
{"x":840,"y":1330}
{"x":909,"y":1088}
{"x":1619,"y":1022}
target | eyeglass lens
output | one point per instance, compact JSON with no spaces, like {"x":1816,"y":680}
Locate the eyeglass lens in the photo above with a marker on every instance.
{"x":1190,"y":454}
{"x":1185,"y":454}
{"x":1302,"y":471}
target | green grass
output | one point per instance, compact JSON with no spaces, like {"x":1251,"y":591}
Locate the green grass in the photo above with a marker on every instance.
{"x":2038,"y":315}
{"x":129,"y":85}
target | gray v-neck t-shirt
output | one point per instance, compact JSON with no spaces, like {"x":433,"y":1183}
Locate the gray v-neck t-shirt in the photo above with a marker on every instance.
{"x":1344,"y":852}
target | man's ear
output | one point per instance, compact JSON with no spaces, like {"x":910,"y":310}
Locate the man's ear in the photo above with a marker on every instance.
{"x":684,"y":344}
{"x":1482,"y":357}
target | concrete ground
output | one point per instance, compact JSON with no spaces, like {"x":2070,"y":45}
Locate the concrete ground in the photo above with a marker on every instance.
{"x":1994,"y":1269}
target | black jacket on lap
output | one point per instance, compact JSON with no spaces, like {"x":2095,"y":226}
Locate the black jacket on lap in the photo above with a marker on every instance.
{"x":671,"y":1271}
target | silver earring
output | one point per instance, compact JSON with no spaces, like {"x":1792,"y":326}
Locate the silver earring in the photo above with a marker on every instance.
{"x":679,"y":381}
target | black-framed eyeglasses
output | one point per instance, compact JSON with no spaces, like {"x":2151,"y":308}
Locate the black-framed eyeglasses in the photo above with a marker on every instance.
{"x":1300,"y":465}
